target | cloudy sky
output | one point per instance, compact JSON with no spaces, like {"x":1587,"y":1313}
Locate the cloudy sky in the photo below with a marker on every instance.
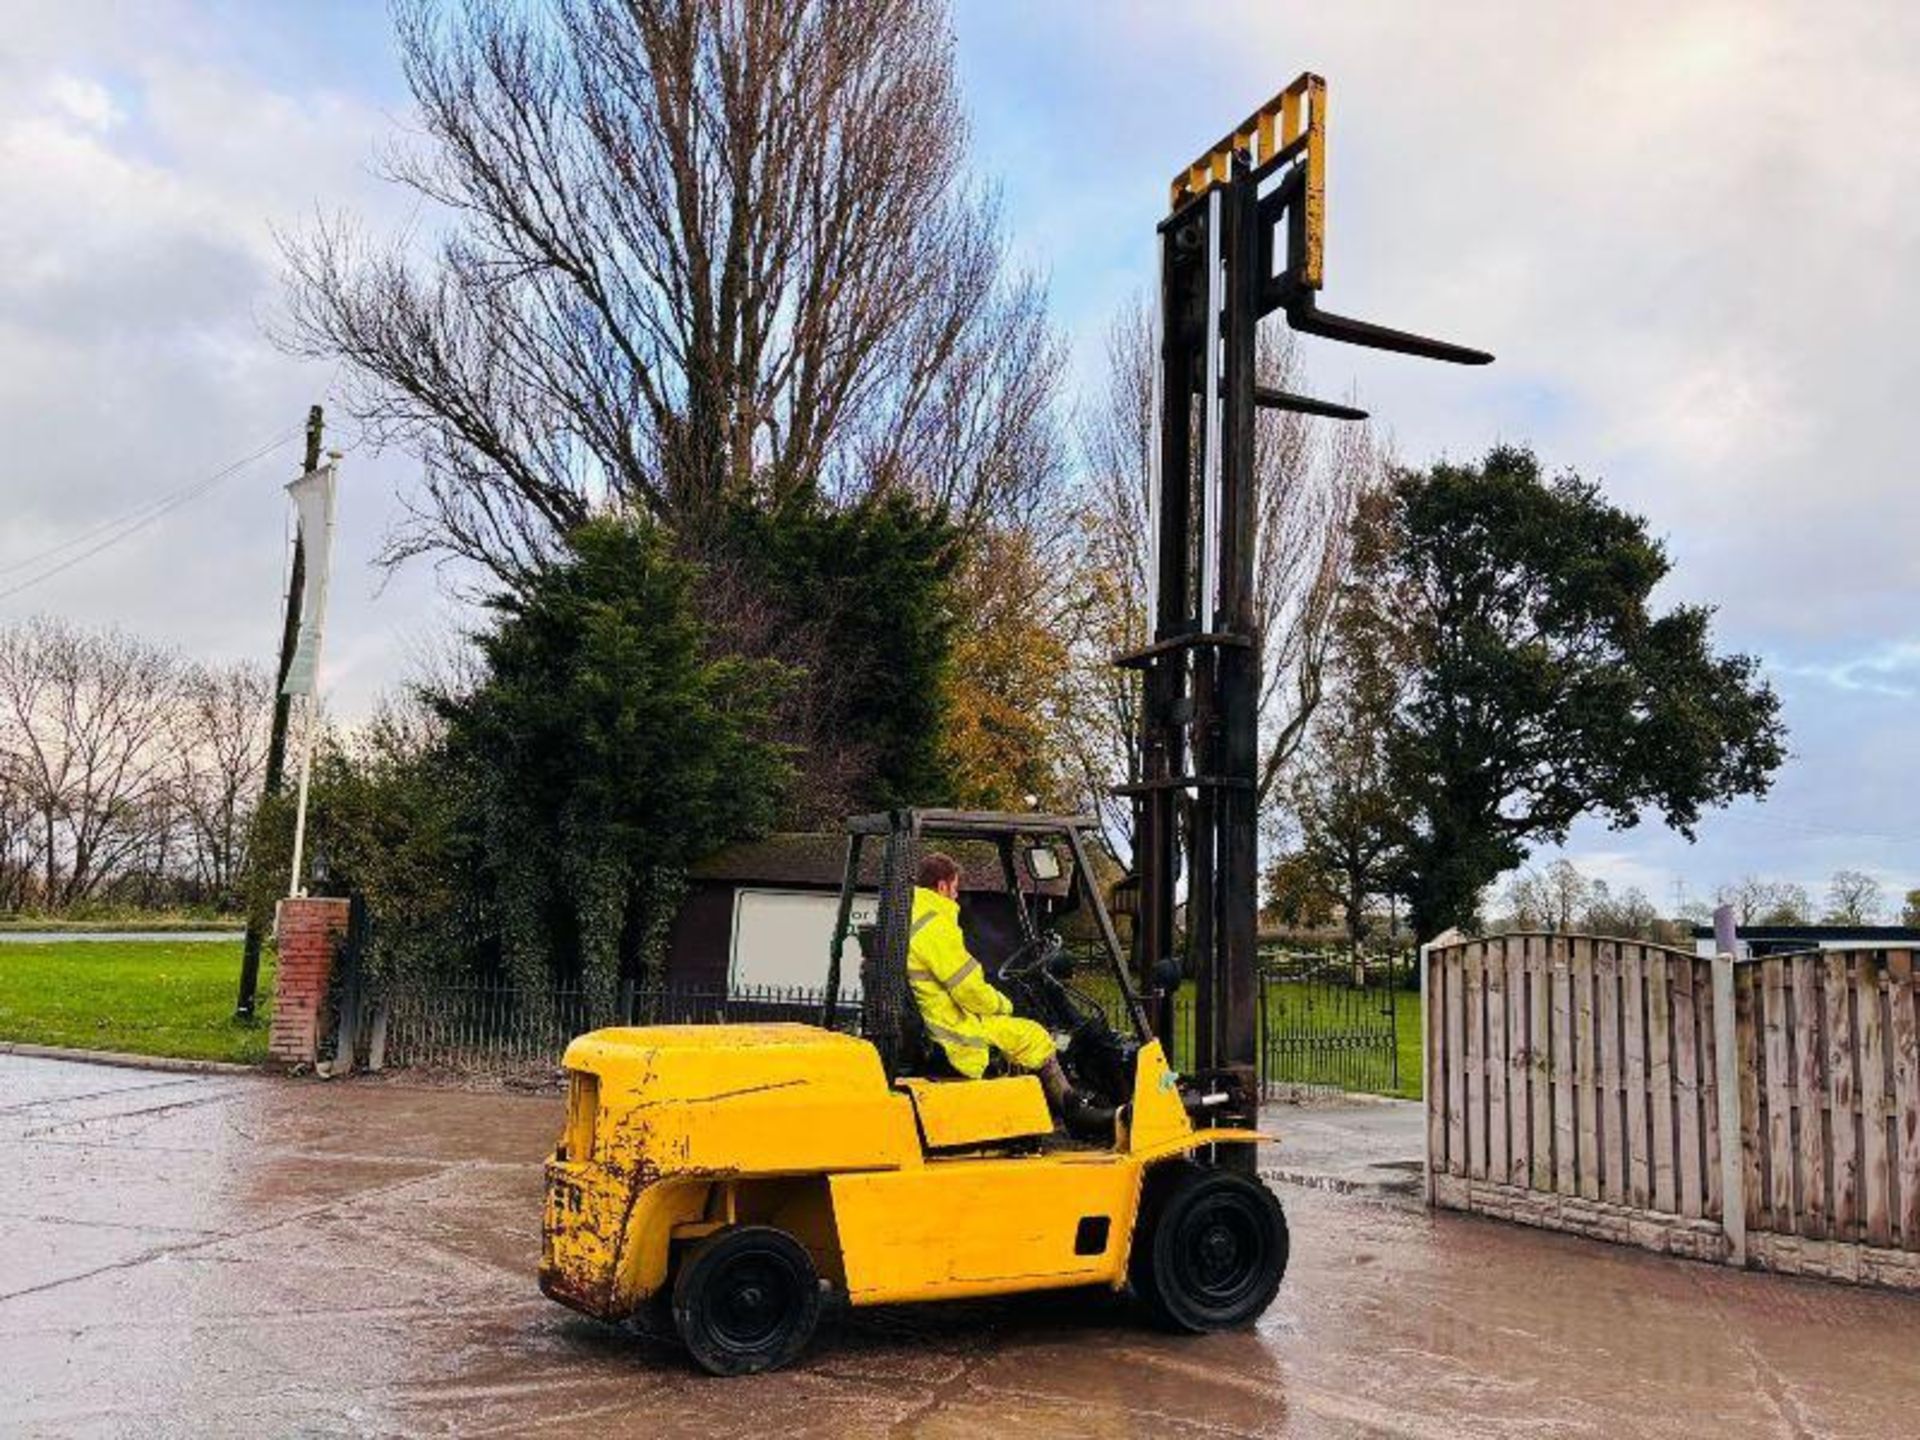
{"x":1690,"y":232}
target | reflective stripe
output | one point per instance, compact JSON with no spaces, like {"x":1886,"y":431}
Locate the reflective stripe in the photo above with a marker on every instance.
{"x":954,"y":1037}
{"x":951,"y":982}
{"x":922,"y":923}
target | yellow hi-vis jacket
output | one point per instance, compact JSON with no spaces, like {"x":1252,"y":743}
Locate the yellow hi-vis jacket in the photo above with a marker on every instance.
{"x":958,"y":1004}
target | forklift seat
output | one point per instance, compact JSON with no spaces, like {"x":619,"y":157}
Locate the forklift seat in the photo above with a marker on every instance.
{"x":919,"y":1055}
{"x":980,"y":1112}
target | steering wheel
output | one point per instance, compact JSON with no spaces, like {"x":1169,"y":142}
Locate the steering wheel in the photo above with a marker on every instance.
{"x":1032,"y":956}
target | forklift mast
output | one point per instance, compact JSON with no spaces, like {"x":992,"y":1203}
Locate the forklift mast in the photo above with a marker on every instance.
{"x":1243,"y":239}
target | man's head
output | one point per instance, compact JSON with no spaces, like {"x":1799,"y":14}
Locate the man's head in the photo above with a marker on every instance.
{"x":942,"y":873}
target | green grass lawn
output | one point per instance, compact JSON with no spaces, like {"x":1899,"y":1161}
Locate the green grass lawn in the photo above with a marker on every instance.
{"x":1407,"y":1022}
{"x":141,"y":997}
{"x":1406,"y":1025}
{"x":1337,"y":1070}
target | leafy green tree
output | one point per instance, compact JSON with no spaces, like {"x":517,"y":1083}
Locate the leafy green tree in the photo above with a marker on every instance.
{"x":860,"y":599}
{"x":1007,"y":682}
{"x":1300,"y":894}
{"x":1540,"y":684}
{"x":1910,"y":909}
{"x":605,"y":749}
{"x":1348,"y":815}
{"x":388,"y":818}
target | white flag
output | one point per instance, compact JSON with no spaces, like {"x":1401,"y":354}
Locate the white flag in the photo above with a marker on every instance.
{"x":313,"y":501}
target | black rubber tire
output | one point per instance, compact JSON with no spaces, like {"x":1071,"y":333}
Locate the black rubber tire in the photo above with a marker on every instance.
{"x":1210,"y":1249}
{"x":746,"y":1300}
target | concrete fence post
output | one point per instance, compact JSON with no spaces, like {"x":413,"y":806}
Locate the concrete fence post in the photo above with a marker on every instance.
{"x":1427,"y":1087}
{"x":1726,"y":1065}
{"x":1431,"y":1092}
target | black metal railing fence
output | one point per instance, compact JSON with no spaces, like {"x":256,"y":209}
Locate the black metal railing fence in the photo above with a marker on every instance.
{"x":1325,"y":1021}
{"x":496,"y":1028}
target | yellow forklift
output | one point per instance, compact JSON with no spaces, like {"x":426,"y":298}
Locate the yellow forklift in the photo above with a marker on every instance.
{"x":725,"y":1183}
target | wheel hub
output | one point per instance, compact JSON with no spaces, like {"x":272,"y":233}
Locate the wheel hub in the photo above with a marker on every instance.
{"x":1219,"y":1251}
{"x":1224,"y":1251}
{"x":751,"y":1305}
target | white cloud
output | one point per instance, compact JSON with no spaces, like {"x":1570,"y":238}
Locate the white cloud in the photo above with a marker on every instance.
{"x":1892,"y":670}
{"x":87,"y":102}
{"x":1689,"y":232}
{"x":146,"y":163}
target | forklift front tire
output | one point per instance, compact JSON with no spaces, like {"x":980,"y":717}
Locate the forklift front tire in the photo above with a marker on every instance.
{"x":746,"y":1300}
{"x":1211,"y":1250}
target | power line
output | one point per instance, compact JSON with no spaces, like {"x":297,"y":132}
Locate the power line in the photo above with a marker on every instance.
{"x":133,"y":521}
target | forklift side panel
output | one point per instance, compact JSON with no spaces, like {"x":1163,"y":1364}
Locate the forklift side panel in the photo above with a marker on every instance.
{"x":983,"y":1227}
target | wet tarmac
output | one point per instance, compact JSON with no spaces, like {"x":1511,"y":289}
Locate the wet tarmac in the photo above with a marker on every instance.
{"x":238,"y":1254}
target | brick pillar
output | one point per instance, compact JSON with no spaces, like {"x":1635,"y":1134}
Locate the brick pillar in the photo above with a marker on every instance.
{"x":309,"y":928}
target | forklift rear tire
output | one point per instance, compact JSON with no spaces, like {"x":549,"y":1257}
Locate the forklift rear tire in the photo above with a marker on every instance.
{"x":746,"y":1300}
{"x":1212,"y":1248}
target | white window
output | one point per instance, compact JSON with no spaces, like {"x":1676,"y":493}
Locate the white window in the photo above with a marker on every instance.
{"x":781,"y":937}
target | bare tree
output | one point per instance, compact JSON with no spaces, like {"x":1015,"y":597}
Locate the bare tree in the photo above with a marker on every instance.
{"x":83,"y":720}
{"x":1628,"y":915}
{"x":1765,"y":902}
{"x":19,"y":844}
{"x":1549,"y":899}
{"x":1853,"y":898}
{"x":1306,"y":475}
{"x":220,"y":754}
{"x":691,"y":252}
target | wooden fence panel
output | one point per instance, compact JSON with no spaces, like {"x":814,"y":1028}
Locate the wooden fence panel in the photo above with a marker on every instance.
{"x":1475,"y":1057}
{"x":1577,"y":1083}
{"x":1906,"y":1089}
{"x":1564,"y":1179}
{"x":1540,"y":1068}
{"x":1519,"y":1066}
{"x":1686,"y":1081}
{"x":1703,"y":1008}
{"x":1746,"y":1025}
{"x":1456,"y":1075}
{"x":1433,"y":984}
{"x":1606,"y":979}
{"x":1875,"y":1155}
{"x":1660,"y":1079}
{"x":1633,"y":1000}
{"x":1843,"y":1107}
{"x":1586,"y":1075}
{"x":1496,"y":993}
{"x":1809,"y":1094}
{"x":1779,"y":1081}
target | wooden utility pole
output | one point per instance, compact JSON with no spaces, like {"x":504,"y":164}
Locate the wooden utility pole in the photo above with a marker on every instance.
{"x":282,"y":710}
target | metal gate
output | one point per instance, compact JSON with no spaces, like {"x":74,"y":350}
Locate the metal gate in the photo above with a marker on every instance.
{"x":1331,"y":1020}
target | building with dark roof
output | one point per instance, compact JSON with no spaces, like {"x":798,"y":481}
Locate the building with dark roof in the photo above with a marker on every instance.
{"x":760,"y":913}
{"x":1756,"y":940}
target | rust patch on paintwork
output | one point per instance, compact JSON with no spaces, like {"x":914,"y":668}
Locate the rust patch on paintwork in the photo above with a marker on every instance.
{"x":587,"y":1239}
